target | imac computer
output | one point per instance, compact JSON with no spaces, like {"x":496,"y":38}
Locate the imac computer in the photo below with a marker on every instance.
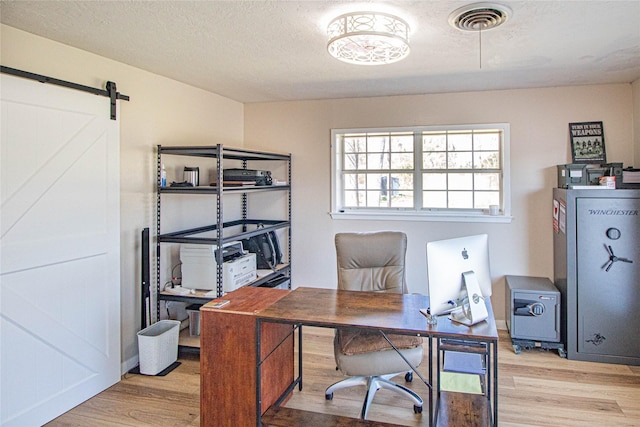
{"x":459,"y":278}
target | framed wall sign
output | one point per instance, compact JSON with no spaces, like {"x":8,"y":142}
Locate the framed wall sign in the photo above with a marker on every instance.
{"x":587,"y":142}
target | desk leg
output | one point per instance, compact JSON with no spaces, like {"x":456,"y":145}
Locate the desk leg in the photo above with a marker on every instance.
{"x":489,"y":382}
{"x":494,"y":344}
{"x":258,"y":375}
{"x":430,"y":357}
{"x":300,"y":357}
{"x":439,"y":362}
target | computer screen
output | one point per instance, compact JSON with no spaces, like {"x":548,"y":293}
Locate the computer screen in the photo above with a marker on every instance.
{"x":447,"y":260}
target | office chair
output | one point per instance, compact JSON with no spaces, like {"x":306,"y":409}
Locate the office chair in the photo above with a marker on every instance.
{"x":373,"y":262}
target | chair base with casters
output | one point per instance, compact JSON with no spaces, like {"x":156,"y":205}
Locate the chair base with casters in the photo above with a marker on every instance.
{"x":376,"y":365}
{"x":374,"y":384}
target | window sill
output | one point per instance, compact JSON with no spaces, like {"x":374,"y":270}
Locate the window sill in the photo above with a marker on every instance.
{"x":413,"y":216}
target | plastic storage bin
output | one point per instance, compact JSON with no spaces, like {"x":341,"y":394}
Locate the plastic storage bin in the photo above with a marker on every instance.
{"x":158,"y":346}
{"x":194,"y":319}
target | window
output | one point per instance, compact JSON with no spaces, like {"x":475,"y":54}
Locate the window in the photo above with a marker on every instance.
{"x":454,"y":172}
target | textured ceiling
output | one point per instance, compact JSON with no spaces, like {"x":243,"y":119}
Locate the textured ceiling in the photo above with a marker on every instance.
{"x":253,"y":51}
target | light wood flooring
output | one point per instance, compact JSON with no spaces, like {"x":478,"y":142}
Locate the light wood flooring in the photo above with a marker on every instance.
{"x":536,"y":388}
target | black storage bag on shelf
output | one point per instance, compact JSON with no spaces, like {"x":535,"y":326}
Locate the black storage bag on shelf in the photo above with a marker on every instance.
{"x":266,"y":248}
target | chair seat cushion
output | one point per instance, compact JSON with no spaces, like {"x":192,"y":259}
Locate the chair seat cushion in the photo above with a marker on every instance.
{"x":362,"y":341}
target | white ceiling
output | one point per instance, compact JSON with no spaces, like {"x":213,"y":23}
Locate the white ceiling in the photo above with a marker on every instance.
{"x":253,"y":51}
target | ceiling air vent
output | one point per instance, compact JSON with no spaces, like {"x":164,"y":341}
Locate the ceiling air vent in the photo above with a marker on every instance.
{"x":479,"y":16}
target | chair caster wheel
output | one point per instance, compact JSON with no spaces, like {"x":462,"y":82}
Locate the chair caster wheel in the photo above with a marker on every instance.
{"x":417,"y":409}
{"x":408,"y":377}
{"x":328,"y":396}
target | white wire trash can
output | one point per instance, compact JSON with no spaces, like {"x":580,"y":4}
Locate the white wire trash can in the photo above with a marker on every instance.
{"x":158,"y":346}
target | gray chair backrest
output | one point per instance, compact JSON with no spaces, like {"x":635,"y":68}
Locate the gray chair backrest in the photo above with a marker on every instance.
{"x":373,"y":261}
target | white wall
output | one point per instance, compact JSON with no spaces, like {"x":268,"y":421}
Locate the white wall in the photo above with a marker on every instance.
{"x":161,"y":111}
{"x":539,"y":141}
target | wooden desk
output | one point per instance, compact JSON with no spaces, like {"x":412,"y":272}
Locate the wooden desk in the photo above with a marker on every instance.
{"x":387,"y":312}
{"x":228,"y":358}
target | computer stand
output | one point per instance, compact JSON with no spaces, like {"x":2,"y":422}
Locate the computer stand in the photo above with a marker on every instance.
{"x":477,"y":311}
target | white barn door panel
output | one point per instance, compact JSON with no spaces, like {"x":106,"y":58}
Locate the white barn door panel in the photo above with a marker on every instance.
{"x":59,"y":250}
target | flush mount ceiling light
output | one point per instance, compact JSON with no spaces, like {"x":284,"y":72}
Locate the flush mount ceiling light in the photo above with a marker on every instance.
{"x":368,"y":38}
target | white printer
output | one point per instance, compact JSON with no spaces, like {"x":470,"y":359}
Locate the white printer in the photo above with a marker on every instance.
{"x":199,"y":266}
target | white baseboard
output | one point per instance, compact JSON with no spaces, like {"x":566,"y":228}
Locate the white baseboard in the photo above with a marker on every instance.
{"x":129,"y":364}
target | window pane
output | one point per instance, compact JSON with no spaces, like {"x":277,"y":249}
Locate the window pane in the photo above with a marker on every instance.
{"x":378,"y":161}
{"x":460,"y":199}
{"x":378,"y":143}
{"x":402,"y":199}
{"x":460,"y":181}
{"x":402,"y":143}
{"x":489,"y":140}
{"x":402,"y":181}
{"x":375,"y":200}
{"x":434,"y":181}
{"x":434,"y":160}
{"x":402,"y":161}
{"x":485,"y":198}
{"x":487,"y":181}
{"x":353,"y":199}
{"x":459,"y":160}
{"x":376,"y":181}
{"x":434,"y":141}
{"x":355,"y":144}
{"x":354,"y":181}
{"x":460,"y":141}
{"x":486,"y":160}
{"x":434,"y":199}
{"x":355,"y":161}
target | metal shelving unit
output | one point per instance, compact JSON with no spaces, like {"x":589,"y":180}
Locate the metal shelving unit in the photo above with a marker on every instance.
{"x":248,"y":226}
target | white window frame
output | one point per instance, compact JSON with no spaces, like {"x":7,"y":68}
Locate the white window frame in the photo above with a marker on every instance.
{"x":338,"y":211}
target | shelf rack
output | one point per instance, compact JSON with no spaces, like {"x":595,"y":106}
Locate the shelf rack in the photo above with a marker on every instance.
{"x":249,"y":226}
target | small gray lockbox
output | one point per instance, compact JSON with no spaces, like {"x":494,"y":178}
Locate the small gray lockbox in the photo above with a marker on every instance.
{"x":572,"y":174}
{"x":532,"y":308}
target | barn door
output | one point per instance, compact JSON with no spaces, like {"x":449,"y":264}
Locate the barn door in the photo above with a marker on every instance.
{"x":59,"y":250}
